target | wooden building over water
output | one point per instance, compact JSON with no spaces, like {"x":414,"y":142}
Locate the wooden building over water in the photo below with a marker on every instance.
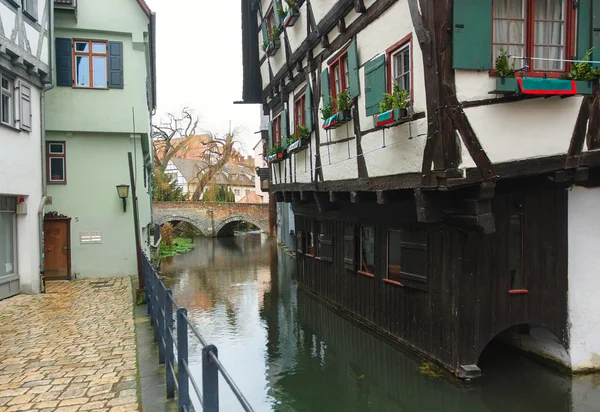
{"x":461,"y":205}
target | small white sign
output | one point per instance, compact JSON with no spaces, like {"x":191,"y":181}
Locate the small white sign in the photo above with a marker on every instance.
{"x":88,"y":238}
{"x":8,"y":267}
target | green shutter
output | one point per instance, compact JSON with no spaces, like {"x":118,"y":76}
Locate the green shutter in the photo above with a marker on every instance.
{"x":472,"y":35}
{"x":264,"y":30}
{"x":64,"y":62}
{"x":284,"y":129}
{"x":275,"y":14}
{"x":375,"y":84}
{"x":595,"y":31}
{"x":353,"y":82}
{"x":270,"y":140}
{"x":325,"y":88}
{"x":308,"y":116}
{"x":584,"y":27}
{"x":115,"y":65}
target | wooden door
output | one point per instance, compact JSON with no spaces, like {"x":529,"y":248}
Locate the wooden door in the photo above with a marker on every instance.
{"x":57,"y":249}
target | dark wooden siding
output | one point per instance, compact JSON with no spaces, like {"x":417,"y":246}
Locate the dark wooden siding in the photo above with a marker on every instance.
{"x":466,"y":301}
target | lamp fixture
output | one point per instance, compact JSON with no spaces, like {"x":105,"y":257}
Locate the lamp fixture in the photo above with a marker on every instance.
{"x":123,"y":191}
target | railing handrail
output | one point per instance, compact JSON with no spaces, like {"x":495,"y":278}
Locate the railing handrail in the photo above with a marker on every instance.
{"x":160,"y":303}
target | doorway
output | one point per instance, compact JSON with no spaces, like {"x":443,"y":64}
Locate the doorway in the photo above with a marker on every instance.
{"x":57,"y":248}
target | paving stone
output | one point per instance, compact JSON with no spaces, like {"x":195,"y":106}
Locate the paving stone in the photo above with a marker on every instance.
{"x":70,"y":349}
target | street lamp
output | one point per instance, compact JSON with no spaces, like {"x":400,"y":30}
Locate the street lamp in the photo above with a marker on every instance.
{"x":123,"y":191}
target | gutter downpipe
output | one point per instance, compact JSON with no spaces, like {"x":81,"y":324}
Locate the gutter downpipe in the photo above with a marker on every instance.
{"x":44,"y":200}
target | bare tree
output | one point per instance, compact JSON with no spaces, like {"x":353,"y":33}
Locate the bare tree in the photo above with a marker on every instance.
{"x":171,"y":135}
{"x":217,"y":153}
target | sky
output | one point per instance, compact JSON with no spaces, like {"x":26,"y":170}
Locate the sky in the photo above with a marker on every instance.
{"x":199,"y":65}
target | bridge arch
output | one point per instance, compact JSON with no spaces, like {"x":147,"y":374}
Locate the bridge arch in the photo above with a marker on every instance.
{"x":240,"y":218}
{"x":161,"y":220}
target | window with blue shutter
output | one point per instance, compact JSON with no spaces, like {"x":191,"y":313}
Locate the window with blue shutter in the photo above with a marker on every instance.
{"x":284,"y":129}
{"x":308,"y":117}
{"x":270,"y":138}
{"x":276,"y":17}
{"x":595,"y":31}
{"x":375,"y":84}
{"x":472,"y":35}
{"x":64,"y":62}
{"x":115,"y":65}
{"x":584,"y":27}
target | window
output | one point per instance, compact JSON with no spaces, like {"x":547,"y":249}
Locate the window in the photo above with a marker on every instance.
{"x":325,"y":243}
{"x":300,"y":111}
{"x":277,"y":130}
{"x":367,"y":249}
{"x":29,"y":8}
{"x":270,"y":18}
{"x":6,"y":105}
{"x":236,"y":192}
{"x":310,"y":244}
{"x":56,"y":162}
{"x":8,"y":206}
{"x":407,"y":257}
{"x":300,"y":243}
{"x":247,"y":192}
{"x":534,"y":28}
{"x":339,"y":75}
{"x":515,"y":252}
{"x":90,"y":62}
{"x":400,"y":65}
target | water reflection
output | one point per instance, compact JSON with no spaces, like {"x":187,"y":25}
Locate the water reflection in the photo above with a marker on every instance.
{"x":288,"y":352}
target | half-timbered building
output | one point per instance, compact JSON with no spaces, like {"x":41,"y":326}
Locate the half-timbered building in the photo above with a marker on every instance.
{"x":24,"y":77}
{"x":459,"y":207}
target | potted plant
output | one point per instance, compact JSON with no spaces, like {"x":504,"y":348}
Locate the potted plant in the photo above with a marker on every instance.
{"x":505,"y":72}
{"x":280,"y":11}
{"x":302,"y":134}
{"x":344,"y":103}
{"x":393,"y":106}
{"x":272,"y":154}
{"x":278,"y":151}
{"x":584,"y":74}
{"x":292,"y":13}
{"x":326,"y":111}
{"x":274,"y":43}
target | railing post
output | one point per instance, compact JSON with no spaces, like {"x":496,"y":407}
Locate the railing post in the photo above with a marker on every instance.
{"x":210,"y":379}
{"x":169,"y":359}
{"x":182,"y":356}
{"x":150,"y":293}
{"x":155,"y":306}
{"x":161,"y":324}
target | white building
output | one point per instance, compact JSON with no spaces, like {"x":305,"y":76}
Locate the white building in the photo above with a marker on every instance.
{"x":24,"y":72}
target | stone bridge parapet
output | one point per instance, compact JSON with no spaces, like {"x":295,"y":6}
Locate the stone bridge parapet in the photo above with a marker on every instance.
{"x":212,"y":218}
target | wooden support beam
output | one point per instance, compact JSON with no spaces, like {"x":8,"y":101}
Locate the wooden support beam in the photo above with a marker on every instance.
{"x":383,"y":197}
{"x":334,"y":197}
{"x":325,"y":42}
{"x":278,"y":197}
{"x":428,"y":210}
{"x":287,"y":197}
{"x":323,"y":203}
{"x":305,"y":196}
{"x":359,"y":6}
{"x":342,"y":26}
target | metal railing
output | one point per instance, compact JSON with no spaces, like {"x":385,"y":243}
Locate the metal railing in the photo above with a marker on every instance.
{"x":169,"y":336}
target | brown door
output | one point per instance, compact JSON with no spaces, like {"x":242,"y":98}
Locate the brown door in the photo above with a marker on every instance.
{"x":57,"y":249}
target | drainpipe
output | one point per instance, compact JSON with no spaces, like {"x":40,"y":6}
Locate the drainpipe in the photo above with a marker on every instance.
{"x":44,"y":201}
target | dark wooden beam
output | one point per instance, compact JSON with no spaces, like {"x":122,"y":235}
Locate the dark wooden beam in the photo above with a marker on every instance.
{"x":359,"y":6}
{"x":306,"y":196}
{"x":361,"y":163}
{"x":429,"y":210}
{"x":287,"y":197}
{"x":383,"y":197}
{"x":342,"y":26}
{"x":323,"y":203}
{"x":325,"y":41}
{"x":579,"y":132}
{"x":278,"y":196}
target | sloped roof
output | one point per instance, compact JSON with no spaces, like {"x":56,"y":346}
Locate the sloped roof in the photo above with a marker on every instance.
{"x":229,"y":175}
{"x":251,"y":197}
{"x":187,"y":167}
{"x":145,"y":7}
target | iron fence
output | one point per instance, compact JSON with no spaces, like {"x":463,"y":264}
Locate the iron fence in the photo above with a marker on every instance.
{"x":172,"y":334}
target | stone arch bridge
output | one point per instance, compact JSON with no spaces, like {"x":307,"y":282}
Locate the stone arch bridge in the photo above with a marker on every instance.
{"x":212,"y":218}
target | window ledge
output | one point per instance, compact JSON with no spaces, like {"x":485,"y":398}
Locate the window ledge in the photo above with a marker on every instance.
{"x":30,"y":16}
{"x":56,"y":183}
{"x":367,"y":274}
{"x":324,"y":259}
{"x":90,"y":88}
{"x":518,"y":292}
{"x":337,"y":120}
{"x":13,"y":128}
{"x":393,"y":282}
{"x":510,"y":85}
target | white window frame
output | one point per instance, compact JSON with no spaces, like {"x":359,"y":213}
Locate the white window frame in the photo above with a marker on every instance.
{"x":9,"y":93}
{"x":401,"y":51}
{"x":62,"y":157}
{"x":15,"y":269}
{"x":29,"y":8}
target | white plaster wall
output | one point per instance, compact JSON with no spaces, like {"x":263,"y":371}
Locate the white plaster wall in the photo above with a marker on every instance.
{"x":259,"y":161}
{"x":297,"y":33}
{"x":584,"y":277}
{"x":321,"y":9}
{"x":401,"y":153}
{"x":473,"y":85}
{"x":264,"y":73}
{"x":335,"y":161}
{"x":525,"y":129}
{"x":302,"y":162}
{"x":21,"y":175}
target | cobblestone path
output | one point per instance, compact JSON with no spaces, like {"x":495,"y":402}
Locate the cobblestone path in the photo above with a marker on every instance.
{"x":71,"y":349}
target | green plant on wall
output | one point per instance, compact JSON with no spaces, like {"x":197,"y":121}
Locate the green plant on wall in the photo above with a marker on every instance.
{"x":344,"y":101}
{"x":326,"y":112}
{"x":397,"y":99}
{"x":276,"y":149}
{"x":280,"y":11}
{"x":292,"y":4}
{"x":265,"y":45}
{"x":292,"y":139}
{"x":503,"y":67}
{"x":302,"y":132}
{"x":584,"y":69}
{"x":273,"y":34}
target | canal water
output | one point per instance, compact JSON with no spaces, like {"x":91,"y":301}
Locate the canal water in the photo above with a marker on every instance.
{"x":289,"y":352}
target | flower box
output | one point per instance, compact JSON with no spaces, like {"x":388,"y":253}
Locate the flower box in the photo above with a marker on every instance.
{"x":390,"y":117}
{"x":337,"y":119}
{"x":291,"y":17}
{"x":273,"y":47}
{"x":543,"y":87}
{"x":298,"y":145}
{"x":272,"y":158}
